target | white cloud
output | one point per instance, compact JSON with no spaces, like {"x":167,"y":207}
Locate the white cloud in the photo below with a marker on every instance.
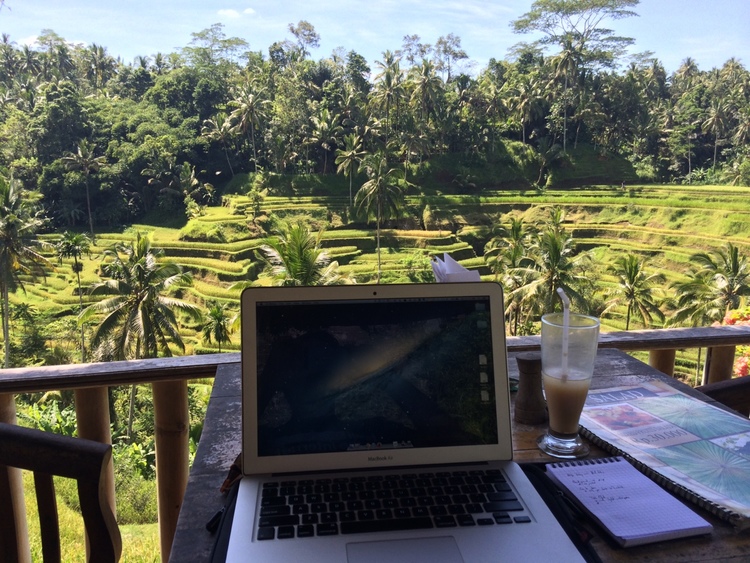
{"x":233,"y":14}
{"x":248,"y":12}
{"x":30,"y":40}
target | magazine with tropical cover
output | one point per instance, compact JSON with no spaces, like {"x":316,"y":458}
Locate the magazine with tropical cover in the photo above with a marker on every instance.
{"x":695,"y":449}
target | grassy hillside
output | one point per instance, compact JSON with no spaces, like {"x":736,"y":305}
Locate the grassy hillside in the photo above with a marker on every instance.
{"x":667,"y":224}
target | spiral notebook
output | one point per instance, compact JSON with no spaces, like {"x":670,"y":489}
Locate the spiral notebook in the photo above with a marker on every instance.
{"x":697,"y":451}
{"x":628,"y":505}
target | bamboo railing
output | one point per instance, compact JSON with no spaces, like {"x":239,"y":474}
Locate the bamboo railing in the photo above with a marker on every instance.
{"x":169,"y":379}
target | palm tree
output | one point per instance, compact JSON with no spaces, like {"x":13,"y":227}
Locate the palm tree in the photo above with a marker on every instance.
{"x":507,"y":247}
{"x":138,"y":319}
{"x":75,"y":245}
{"x":635,"y":289}
{"x":566,"y":65}
{"x":294,"y":257}
{"x":100,"y":65}
{"x":717,"y":283}
{"x":349,"y":157}
{"x":217,"y":325}
{"x":716,"y":124}
{"x":428,"y":88}
{"x":552,"y":263}
{"x":696,"y":304}
{"x":250,"y":109}
{"x":85,"y":162}
{"x":548,"y":154}
{"x":413,"y":143}
{"x":381,"y":196}
{"x":219,"y":129}
{"x":728,"y":273}
{"x":389,"y":88}
{"x":527,"y":102}
{"x":326,"y":132}
{"x":18,"y":227}
{"x":504,"y":254}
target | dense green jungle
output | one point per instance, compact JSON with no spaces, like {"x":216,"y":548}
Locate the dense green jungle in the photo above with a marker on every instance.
{"x":168,"y":184}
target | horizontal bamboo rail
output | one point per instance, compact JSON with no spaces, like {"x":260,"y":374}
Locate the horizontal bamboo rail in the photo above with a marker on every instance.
{"x":169,"y":377}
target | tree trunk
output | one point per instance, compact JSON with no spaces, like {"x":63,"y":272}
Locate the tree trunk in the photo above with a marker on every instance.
{"x":351,"y":174}
{"x":6,"y":325}
{"x":131,"y":414}
{"x":80,"y":308}
{"x":255,"y":154}
{"x":88,"y":205}
{"x":226,"y":154}
{"x":377,"y":235}
{"x":565,"y":115}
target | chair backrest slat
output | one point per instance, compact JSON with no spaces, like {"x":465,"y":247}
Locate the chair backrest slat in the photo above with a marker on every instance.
{"x":49,"y":523}
{"x":47,"y":455}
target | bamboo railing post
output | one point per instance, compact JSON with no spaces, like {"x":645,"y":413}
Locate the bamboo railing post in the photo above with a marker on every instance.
{"x":14,"y":534}
{"x":719,"y":364}
{"x":92,"y":422}
{"x":663,"y":360}
{"x":172,"y":426}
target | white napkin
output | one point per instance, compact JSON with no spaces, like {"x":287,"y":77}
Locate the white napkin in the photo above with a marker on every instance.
{"x":448,"y":270}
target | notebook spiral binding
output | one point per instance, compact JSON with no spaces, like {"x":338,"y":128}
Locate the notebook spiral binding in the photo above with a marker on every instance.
{"x":577,"y":463}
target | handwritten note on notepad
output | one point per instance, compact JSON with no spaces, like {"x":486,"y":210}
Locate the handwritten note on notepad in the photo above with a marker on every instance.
{"x":629,"y":505}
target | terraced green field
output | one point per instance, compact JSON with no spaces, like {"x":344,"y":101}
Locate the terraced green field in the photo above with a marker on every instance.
{"x":667,"y":224}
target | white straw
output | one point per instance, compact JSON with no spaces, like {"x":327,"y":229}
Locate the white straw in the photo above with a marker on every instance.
{"x":566,"y":330}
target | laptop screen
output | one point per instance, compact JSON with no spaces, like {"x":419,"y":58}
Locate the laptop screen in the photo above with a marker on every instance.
{"x":374,"y":375}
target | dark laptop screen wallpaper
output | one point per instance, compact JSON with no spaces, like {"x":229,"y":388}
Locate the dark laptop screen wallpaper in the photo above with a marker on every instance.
{"x":339,"y":376}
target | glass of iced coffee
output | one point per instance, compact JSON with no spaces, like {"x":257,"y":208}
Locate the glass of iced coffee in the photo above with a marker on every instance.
{"x":568,"y":354}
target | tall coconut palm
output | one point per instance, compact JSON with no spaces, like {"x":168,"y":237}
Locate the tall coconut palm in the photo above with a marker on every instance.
{"x":326,"y":132}
{"x":348,"y":159}
{"x":217,"y":325}
{"x":389,"y":88}
{"x":85,"y":161}
{"x":138,"y":318}
{"x":380,"y":197}
{"x":100,"y":66}
{"x":19,"y":224}
{"x":728,"y":272}
{"x":696,"y":304}
{"x":250,"y":110}
{"x":716,"y":123}
{"x":427,"y":89}
{"x":552,"y":263}
{"x":504,"y":253}
{"x":220,"y":129}
{"x":413,"y":143}
{"x":527,"y":102}
{"x":566,"y":65}
{"x":75,"y":245}
{"x":507,"y":246}
{"x":635,"y":289}
{"x":294,"y":257}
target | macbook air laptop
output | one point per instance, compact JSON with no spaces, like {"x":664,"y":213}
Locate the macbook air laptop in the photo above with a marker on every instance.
{"x":376,"y":427}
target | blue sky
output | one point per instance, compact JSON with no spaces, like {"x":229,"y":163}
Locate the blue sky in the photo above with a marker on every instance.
{"x":709,"y":31}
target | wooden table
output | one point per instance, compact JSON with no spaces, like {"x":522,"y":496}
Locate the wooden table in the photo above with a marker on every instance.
{"x":220,"y":445}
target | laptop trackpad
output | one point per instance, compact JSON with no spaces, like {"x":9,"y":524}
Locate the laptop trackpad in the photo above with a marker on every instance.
{"x":434,"y":550}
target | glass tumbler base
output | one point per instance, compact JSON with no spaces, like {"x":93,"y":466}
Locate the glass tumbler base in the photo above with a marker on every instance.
{"x":563,"y":448}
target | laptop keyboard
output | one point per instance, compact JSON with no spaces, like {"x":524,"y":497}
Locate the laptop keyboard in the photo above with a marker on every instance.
{"x":383,"y":503}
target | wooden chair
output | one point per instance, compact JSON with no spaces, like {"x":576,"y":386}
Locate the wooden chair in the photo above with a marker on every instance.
{"x":734,"y":393}
{"x":47,"y":455}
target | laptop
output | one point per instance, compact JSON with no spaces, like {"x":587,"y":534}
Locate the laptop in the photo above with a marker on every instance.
{"x":376,"y":427}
